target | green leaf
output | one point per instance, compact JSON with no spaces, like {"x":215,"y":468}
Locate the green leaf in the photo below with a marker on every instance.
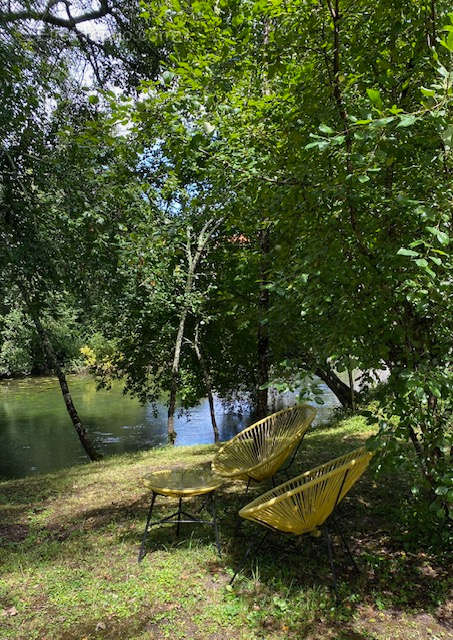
{"x":167,"y":77}
{"x":196,"y":140}
{"x":407,"y":252}
{"x":421,"y":262}
{"x":428,"y":92}
{"x":381,"y":122}
{"x":407,"y":120}
{"x":447,"y":136}
{"x":326,"y":129}
{"x":93,"y":99}
{"x":321,"y":144}
{"x":375,"y":97}
{"x":440,"y":235}
{"x":448,"y":43}
{"x":364,"y":178}
{"x":208,"y":127}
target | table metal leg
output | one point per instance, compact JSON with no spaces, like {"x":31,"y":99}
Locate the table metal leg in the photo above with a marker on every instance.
{"x":179,"y":516}
{"x":141,"y":553}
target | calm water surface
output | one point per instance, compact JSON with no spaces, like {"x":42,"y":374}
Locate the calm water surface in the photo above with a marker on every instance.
{"x":37,"y":436}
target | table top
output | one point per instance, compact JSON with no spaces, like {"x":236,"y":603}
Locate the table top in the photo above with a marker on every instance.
{"x":183,"y":481}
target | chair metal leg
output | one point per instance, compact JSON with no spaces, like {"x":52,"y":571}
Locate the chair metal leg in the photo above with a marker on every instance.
{"x":248,"y":485}
{"x":332,"y":566}
{"x":285,"y":469}
{"x":339,"y":530}
{"x":214,"y":523}
{"x":202,"y":506}
{"x":141,"y":553}
{"x":179,"y":517}
{"x":247,"y":553}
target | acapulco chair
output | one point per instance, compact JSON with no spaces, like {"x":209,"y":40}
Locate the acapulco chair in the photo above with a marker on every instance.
{"x":259,"y":451}
{"x":304,"y":503}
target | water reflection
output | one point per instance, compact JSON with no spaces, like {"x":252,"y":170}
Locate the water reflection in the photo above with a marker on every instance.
{"x":36,"y":435}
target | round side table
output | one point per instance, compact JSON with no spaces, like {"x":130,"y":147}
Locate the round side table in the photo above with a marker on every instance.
{"x":181,"y":483}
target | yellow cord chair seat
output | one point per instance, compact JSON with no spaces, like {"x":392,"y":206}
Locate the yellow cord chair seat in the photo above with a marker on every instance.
{"x":259,"y":451}
{"x":304,"y":503}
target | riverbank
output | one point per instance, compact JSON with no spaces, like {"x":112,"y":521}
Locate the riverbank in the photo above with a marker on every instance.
{"x":68,"y":558}
{"x":37,"y":435}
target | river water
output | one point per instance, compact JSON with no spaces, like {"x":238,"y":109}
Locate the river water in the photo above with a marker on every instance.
{"x":36,"y":434}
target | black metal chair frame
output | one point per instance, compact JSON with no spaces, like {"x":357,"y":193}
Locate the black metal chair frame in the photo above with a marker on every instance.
{"x":330,"y":548}
{"x":175,"y":518}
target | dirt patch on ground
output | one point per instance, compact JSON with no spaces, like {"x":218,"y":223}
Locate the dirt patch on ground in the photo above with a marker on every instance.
{"x":15,"y":532}
{"x":397,"y":625}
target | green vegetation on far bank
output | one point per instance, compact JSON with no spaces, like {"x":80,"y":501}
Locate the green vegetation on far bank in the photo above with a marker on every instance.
{"x":69,"y":543}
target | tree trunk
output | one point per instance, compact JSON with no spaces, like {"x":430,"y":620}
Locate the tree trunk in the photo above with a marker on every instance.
{"x":50,"y":353}
{"x":263,"y":330}
{"x":174,"y":373}
{"x":70,"y":408}
{"x":205,"y":234}
{"x":351,"y":387}
{"x":262,"y":400}
{"x":339,"y":388}
{"x":207,"y":382}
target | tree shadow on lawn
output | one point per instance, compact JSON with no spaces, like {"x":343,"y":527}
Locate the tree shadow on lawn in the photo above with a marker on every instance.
{"x":390,"y":577}
{"x":371,"y":516}
{"x":394,"y":583}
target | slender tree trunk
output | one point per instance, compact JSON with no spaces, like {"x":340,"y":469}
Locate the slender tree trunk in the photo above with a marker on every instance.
{"x":263,"y":342}
{"x":205,"y":234}
{"x":335,"y":80}
{"x":48,"y":348}
{"x":432,"y":34}
{"x":175,"y":371}
{"x":85,"y":441}
{"x":207,"y":382}
{"x":351,"y":387}
{"x":263,"y":330}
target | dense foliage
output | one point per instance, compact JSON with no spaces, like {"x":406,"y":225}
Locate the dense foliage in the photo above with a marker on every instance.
{"x":313,"y":138}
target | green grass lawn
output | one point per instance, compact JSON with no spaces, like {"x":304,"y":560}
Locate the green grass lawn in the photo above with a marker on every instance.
{"x":69,"y":544}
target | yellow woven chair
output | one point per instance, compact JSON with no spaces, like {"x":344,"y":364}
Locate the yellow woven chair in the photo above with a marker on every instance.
{"x":259,"y":451}
{"x":303,"y":504}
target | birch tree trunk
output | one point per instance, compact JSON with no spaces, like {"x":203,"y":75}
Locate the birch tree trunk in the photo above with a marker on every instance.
{"x":53,"y":363}
{"x":193,"y":260}
{"x":207,"y":382}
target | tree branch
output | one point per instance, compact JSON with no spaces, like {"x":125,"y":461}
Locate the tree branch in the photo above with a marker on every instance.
{"x":50,"y":18}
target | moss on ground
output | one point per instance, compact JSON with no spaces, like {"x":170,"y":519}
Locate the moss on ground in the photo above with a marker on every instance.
{"x":69,"y":544}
